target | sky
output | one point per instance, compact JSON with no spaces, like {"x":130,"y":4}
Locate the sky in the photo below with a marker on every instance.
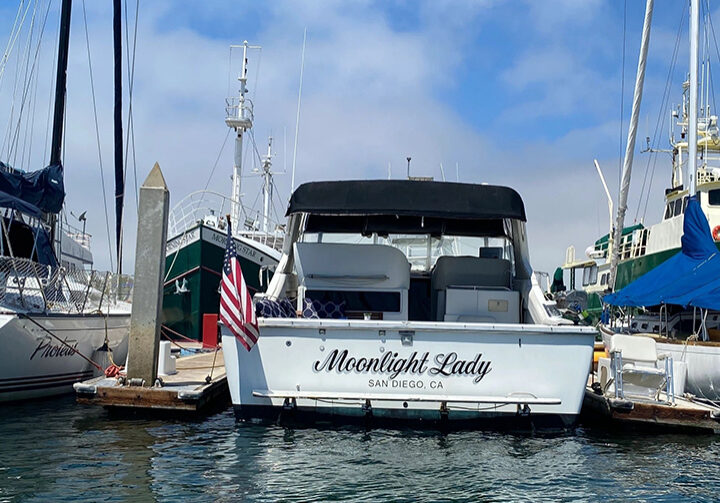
{"x":517,"y":93}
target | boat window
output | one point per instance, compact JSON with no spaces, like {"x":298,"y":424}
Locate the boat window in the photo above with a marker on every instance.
{"x":685,"y":200}
{"x":668,"y":211}
{"x":714,"y":197}
{"x":423,"y":250}
{"x":678,"y":207}
{"x":590,"y":275}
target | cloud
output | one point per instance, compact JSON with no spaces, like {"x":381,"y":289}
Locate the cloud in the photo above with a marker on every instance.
{"x":382,"y":81}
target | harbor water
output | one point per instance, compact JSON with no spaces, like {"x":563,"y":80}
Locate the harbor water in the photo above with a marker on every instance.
{"x":59,"y":451}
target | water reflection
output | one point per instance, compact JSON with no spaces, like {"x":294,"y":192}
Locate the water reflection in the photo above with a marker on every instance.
{"x":57,"y":450}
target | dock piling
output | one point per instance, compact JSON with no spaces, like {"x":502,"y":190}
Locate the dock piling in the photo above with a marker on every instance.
{"x":149,"y":271}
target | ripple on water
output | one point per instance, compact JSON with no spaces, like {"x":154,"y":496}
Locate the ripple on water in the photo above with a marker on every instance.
{"x":58,"y":451}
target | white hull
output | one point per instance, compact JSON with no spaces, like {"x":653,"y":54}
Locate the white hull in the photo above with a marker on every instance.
{"x":703,"y":367}
{"x":33,"y":364}
{"x":425,"y":371}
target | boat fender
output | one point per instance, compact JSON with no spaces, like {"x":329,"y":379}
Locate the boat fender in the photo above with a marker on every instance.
{"x":716,"y":233}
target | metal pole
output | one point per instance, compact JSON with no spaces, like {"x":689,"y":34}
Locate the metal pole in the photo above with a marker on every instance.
{"x":692,"y":120}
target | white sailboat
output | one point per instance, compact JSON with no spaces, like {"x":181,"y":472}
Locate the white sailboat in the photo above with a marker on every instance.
{"x":59,"y":323}
{"x":436,"y":315}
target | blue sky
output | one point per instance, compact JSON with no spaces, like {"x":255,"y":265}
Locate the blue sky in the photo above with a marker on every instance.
{"x":518,"y":93}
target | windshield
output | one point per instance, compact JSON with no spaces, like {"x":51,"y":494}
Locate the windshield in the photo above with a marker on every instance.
{"x":423,"y":250}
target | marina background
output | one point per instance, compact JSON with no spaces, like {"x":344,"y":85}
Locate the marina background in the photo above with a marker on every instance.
{"x":517,"y":93}
{"x":57,"y":451}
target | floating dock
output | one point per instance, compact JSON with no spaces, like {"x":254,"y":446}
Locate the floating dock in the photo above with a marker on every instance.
{"x":686,"y":414}
{"x":200,"y":385}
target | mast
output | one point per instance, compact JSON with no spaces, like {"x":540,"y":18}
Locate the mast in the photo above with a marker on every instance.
{"x":118,"y":131}
{"x":239,"y":117}
{"x":630,"y":147}
{"x":267,"y":186}
{"x":59,"y":111}
{"x":692,"y":119}
{"x":61,"y":84}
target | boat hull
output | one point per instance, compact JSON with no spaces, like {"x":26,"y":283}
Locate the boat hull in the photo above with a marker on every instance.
{"x":703,"y":366}
{"x":33,"y":364}
{"x":476,"y":375}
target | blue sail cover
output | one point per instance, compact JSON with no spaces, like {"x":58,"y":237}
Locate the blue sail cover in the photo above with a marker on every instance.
{"x":689,"y":278}
{"x":42,"y":189}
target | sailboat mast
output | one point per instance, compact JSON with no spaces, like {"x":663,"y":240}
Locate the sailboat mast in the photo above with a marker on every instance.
{"x":118,"y":132}
{"x":692,"y":119}
{"x":59,"y":111}
{"x":630,"y":147}
{"x":61,"y":84}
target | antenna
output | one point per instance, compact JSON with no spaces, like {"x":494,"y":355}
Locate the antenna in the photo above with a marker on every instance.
{"x":408,"y":171}
{"x":457,"y":171}
{"x":389,"y":170}
{"x":297,"y":117}
{"x":442,"y":172}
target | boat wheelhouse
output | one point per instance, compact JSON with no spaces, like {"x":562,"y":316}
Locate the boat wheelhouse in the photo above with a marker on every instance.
{"x":411,"y":300}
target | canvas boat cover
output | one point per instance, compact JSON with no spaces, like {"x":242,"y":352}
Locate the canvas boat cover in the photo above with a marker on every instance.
{"x":406,"y":207}
{"x":407,"y":198}
{"x":33,"y":193}
{"x":689,"y":278}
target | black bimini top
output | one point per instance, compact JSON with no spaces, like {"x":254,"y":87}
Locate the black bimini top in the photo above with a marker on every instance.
{"x":406,"y":206}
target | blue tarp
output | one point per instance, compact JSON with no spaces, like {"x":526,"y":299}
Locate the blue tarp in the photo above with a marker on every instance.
{"x":689,"y":278}
{"x":42,"y":189}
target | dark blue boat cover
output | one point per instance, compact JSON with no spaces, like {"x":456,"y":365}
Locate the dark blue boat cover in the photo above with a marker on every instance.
{"x":689,"y":278}
{"x":42,"y":189}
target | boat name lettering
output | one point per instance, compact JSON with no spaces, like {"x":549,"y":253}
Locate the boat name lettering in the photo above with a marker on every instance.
{"x":241,"y":248}
{"x":48,"y":350}
{"x":445,"y":364}
{"x":182,"y":240}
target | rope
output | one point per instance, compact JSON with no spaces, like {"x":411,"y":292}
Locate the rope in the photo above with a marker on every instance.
{"x":178,"y":334}
{"x":91,"y":362}
{"x":97,"y":138}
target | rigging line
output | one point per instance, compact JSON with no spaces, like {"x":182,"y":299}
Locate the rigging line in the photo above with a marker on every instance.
{"x":13,"y":38}
{"x":8,"y":129}
{"x":712,"y":31}
{"x":29,"y":135}
{"x":34,"y":109}
{"x":297,"y":116}
{"x":48,"y":122}
{"x":31,"y":86}
{"x":659,"y":124}
{"x":14,"y":144}
{"x":622,"y":93}
{"x":28,"y":84}
{"x":217,"y":159}
{"x":130,"y":137}
{"x":97,"y":138}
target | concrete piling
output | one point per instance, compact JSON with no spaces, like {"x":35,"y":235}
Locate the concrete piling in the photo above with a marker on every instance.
{"x":149,"y":274}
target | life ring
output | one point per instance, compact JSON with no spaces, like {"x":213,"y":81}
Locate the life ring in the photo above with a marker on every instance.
{"x":716,"y":233}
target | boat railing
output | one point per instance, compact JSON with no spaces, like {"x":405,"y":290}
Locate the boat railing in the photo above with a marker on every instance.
{"x":210,"y":207}
{"x":239,"y":112}
{"x":78,"y":235}
{"x":26,"y":285}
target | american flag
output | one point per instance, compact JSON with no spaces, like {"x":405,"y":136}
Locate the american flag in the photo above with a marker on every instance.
{"x":236,"y":307}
